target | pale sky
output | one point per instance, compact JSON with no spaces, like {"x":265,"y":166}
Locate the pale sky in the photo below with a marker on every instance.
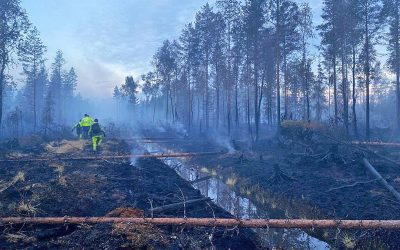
{"x":106,"y":40}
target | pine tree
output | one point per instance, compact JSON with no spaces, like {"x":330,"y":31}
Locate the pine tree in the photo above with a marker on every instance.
{"x":329,"y":33}
{"x":370,"y":10}
{"x":56,"y":84}
{"x":130,"y":89}
{"x":391,"y":14}
{"x":165,"y":64}
{"x":31,"y":53}
{"x":306,"y":33}
{"x":13,"y":25}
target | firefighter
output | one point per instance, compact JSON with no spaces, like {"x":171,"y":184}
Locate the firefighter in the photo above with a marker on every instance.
{"x":78,"y":130}
{"x":85,"y":124}
{"x":97,"y":133}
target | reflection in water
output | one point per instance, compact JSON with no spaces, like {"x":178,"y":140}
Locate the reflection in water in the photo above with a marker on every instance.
{"x":224,"y":196}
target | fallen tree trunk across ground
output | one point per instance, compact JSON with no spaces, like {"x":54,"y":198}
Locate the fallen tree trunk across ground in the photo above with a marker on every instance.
{"x":379,"y":177}
{"x":383,"y":144}
{"x":112,"y":157}
{"x":212,"y":222}
{"x":366,"y":150}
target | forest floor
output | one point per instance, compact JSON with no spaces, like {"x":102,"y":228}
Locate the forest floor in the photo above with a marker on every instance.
{"x":101,"y":188}
{"x":308,"y":176}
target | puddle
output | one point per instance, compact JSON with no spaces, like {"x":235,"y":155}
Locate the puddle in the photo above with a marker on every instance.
{"x":225,"y":197}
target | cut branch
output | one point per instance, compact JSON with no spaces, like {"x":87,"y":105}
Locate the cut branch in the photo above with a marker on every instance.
{"x":383,"y":144}
{"x":201,"y":179}
{"x":212,"y":222}
{"x":170,"y":206}
{"x":352,"y":185}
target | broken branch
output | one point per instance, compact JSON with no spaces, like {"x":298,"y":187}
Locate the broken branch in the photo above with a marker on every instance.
{"x":169,"y":206}
{"x":384,"y":144}
{"x":352,"y":185}
{"x":200,"y":179}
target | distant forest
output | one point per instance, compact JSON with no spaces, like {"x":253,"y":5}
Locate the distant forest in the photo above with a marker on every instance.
{"x":240,"y":65}
{"x":245,"y":64}
{"x":45,"y":98}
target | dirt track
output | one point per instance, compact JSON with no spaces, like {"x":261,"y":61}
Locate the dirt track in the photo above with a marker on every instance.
{"x":98,"y":188}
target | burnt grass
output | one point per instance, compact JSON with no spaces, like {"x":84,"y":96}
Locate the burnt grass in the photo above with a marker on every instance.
{"x":101,"y":188}
{"x":315,"y":178}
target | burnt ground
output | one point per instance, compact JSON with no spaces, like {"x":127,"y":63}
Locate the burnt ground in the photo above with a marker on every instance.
{"x":309,"y":176}
{"x":100,"y":188}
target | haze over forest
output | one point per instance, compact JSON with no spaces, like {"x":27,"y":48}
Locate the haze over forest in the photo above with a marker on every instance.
{"x":223,"y":65}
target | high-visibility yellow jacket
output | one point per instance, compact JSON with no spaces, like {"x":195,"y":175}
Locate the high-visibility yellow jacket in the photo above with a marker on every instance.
{"x":86,"y":121}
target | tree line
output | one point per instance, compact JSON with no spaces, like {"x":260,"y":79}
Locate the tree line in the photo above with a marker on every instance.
{"x":242,"y":64}
{"x":46,"y":93}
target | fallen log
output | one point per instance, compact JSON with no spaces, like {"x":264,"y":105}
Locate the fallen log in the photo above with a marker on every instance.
{"x":112,"y":157}
{"x":384,"y":144}
{"x":169,"y":206}
{"x":381,"y":179}
{"x":212,"y":222}
{"x":366,"y":150}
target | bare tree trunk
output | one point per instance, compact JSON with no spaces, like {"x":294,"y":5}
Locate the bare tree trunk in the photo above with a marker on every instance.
{"x":354,"y":93}
{"x":344,"y":94}
{"x":335,"y":90}
{"x":2,"y":83}
{"x":218,"y":96}
{"x":206,"y":94}
{"x":285,"y":79}
{"x":367,"y":74}
{"x":397,"y":63}
{"x":278,"y":62}
{"x":236,"y":94}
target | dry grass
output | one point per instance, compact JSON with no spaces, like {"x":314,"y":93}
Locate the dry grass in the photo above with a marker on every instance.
{"x":19,"y":237}
{"x":66,"y":147}
{"x":59,"y":169}
{"x":27,"y":207}
{"x":348,"y":241}
{"x":140,"y":236}
{"x":231,"y":181}
{"x":6,"y":185}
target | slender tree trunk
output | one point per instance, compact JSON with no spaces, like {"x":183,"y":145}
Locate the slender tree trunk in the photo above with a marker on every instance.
{"x":236,"y":97}
{"x":167,"y":104}
{"x":397,"y":62}
{"x":278,"y":62}
{"x":285,"y":79}
{"x":367,"y":74}
{"x":307,"y":93}
{"x":217,"y":96}
{"x":206,"y":93}
{"x":189,"y":104}
{"x":354,"y":93}
{"x":34,"y":97}
{"x":256,"y":116}
{"x":335,"y":90}
{"x":344,"y":94}
{"x":2,"y":83}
